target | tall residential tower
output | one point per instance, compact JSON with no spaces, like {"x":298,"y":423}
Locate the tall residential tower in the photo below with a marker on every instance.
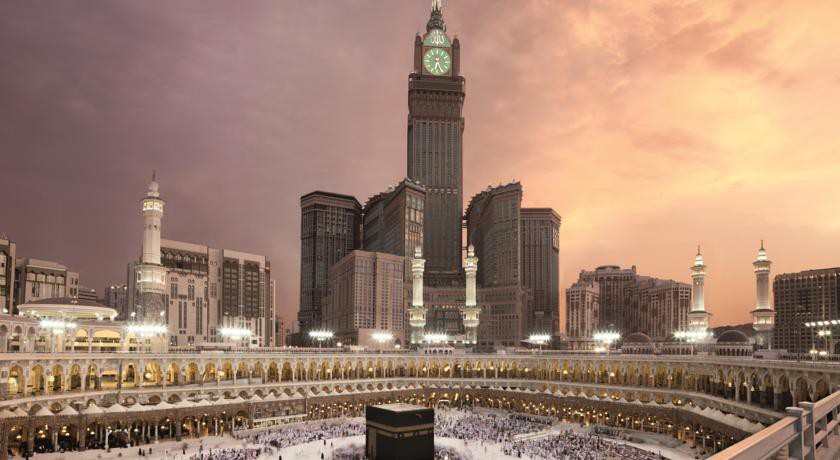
{"x":330,"y":229}
{"x":435,"y":146}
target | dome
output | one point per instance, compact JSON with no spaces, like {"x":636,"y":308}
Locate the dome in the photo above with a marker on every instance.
{"x":733,"y":336}
{"x":637,"y":338}
{"x":67,"y":307}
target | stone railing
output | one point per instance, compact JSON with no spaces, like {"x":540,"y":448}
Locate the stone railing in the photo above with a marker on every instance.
{"x":809,"y":432}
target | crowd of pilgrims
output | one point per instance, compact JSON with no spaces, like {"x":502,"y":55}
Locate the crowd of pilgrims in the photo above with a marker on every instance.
{"x":228,"y":454}
{"x":465,"y":424}
{"x":503,"y":428}
{"x":303,"y":434}
{"x":571,"y":445}
{"x":474,"y":426}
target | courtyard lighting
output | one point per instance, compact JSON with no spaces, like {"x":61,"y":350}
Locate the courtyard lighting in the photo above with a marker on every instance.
{"x":235,"y":333}
{"x":57,"y":326}
{"x":606,"y":336}
{"x":147,"y":329}
{"x":320,"y":336}
{"x":539,"y":339}
{"x":435,"y":338}
{"x":692,"y":335}
{"x":382,"y":336}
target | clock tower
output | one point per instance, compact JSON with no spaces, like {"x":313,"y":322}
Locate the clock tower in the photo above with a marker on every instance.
{"x":435,"y":146}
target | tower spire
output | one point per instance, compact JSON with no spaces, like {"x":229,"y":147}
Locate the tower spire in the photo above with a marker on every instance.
{"x":436,"y":17}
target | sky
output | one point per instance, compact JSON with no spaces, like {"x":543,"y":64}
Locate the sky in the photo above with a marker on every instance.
{"x":650,"y":127}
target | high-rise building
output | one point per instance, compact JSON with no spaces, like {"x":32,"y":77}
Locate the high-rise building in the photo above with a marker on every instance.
{"x":330,"y":229}
{"x":373,"y":222}
{"x":88,"y":294}
{"x":210,"y":289}
{"x":612,"y":298}
{"x":202,"y":290}
{"x":403,"y":217}
{"x":116,"y":297}
{"x":582,"y":309}
{"x":424,"y":212}
{"x":493,"y":228}
{"x":42,"y":279}
{"x":540,"y":267}
{"x":611,"y":281}
{"x":657,"y":307}
{"x":393,"y":220}
{"x":436,"y":93}
{"x":805,"y":297}
{"x":366,"y":296}
{"x":8,"y":251}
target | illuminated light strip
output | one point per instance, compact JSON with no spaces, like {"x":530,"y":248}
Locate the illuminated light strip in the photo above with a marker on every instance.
{"x":608,"y":336}
{"x":235,"y":332}
{"x":692,"y":335}
{"x":147,"y":329}
{"x":57,"y":325}
{"x":436,"y":337}
{"x":539,"y":337}
{"x":382,"y":336}
{"x":321,"y":335}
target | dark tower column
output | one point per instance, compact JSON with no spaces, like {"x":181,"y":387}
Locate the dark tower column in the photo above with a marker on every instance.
{"x":418,"y":53}
{"x":435,"y":147}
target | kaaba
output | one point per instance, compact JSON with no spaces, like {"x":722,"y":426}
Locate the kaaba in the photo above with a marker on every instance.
{"x":400,"y":432}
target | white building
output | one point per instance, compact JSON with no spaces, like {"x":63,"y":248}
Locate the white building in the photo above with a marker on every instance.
{"x":37,"y":279}
{"x":207,"y":295}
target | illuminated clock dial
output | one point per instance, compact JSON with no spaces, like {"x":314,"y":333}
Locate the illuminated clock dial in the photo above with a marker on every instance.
{"x":437,"y":61}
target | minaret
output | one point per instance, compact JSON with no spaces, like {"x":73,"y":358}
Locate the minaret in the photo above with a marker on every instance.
{"x":698,"y":317}
{"x":417,"y":312}
{"x":763,"y":315}
{"x":152,"y":215}
{"x":470,"y":311}
{"x":149,"y":318}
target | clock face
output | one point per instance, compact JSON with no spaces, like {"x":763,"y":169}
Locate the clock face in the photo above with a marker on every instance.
{"x":437,"y":61}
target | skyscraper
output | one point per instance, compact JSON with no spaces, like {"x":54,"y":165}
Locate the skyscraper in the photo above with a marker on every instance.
{"x":425,"y":212}
{"x":330,"y":229}
{"x":195,"y":290}
{"x":365,"y":297}
{"x":493,"y":228}
{"x":436,"y":93}
{"x":804,"y":297}
{"x":618,"y":299}
{"x":116,"y":297}
{"x":373,"y":221}
{"x":582,"y":309}
{"x":208,"y":289}
{"x":611,"y":280}
{"x":540,"y":266}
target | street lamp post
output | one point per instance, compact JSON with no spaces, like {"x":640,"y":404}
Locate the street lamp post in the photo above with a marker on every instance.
{"x":539,"y":340}
{"x":607,"y":338}
{"x":320,"y":336}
